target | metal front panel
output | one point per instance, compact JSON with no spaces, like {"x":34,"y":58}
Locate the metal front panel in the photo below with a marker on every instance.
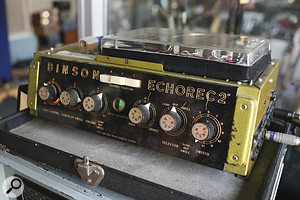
{"x":194,"y":100}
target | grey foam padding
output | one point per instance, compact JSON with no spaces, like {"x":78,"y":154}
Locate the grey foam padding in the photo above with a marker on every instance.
{"x":175,"y":173}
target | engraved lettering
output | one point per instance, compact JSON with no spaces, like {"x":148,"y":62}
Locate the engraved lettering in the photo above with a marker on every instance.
{"x":222,"y":99}
{"x":65,"y":69}
{"x":169,"y":88}
{"x":200,"y":93}
{"x":50,"y":67}
{"x":186,"y":108}
{"x":208,"y":95}
{"x":90,"y":122}
{"x":153,"y":130}
{"x":169,"y":144}
{"x":54,"y":112}
{"x":160,"y":83}
{"x":180,"y":90}
{"x":151,"y":85}
{"x":96,"y":74}
{"x":190,"y":91}
{"x":78,"y":119}
{"x":202,"y":152}
{"x":165,"y":104}
{"x":84,"y":73}
{"x":75,"y":71}
{"x":57,"y":68}
{"x":184,"y":151}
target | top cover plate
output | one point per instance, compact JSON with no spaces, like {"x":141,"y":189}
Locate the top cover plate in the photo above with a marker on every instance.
{"x":231,"y":49}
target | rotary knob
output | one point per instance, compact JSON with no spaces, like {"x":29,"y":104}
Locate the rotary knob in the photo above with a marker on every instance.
{"x":140,"y":114}
{"x":70,"y":97}
{"x":48,"y":92}
{"x":93,"y":103}
{"x":205,"y":129}
{"x":171,"y":121}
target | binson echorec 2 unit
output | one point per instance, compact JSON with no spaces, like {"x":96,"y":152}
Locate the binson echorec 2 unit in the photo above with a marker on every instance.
{"x":201,"y":97}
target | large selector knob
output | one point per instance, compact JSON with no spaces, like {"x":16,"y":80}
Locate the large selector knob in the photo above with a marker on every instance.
{"x":48,"y":92}
{"x":204,"y":129}
{"x":70,"y":97}
{"x":171,"y":121}
{"x":140,"y":114}
{"x":93,"y":103}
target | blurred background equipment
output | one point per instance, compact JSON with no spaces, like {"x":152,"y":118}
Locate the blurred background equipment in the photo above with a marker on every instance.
{"x":8,"y":99}
{"x":4,"y":51}
{"x":47,"y":27}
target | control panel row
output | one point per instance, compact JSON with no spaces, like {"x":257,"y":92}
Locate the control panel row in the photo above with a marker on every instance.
{"x":173,"y":121}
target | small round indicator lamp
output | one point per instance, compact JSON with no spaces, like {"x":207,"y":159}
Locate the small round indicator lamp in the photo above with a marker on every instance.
{"x":119,"y":104}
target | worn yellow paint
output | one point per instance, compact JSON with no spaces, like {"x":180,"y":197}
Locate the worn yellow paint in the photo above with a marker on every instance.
{"x":129,"y":62}
{"x":269,"y":77}
{"x":33,"y":84}
{"x":241,"y":136}
{"x":246,"y":121}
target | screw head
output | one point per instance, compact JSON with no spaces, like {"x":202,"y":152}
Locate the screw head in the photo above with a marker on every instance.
{"x":89,"y":180}
{"x":126,"y":61}
{"x":31,"y":103}
{"x":235,"y":158}
{"x":244,"y":106}
{"x":33,"y":66}
{"x":251,"y":82}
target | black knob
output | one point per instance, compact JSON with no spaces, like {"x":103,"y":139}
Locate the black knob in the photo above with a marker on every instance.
{"x":93,"y":103}
{"x":70,"y":97}
{"x":204,"y":129}
{"x":171,"y":121}
{"x":140,"y":114}
{"x":48,"y":92}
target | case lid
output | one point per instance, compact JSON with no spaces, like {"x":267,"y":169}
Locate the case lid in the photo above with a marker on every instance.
{"x":230,"y":49}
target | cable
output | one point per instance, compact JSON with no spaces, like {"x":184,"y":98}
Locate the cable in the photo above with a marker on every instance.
{"x":284,"y":114}
{"x":283,"y":138}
